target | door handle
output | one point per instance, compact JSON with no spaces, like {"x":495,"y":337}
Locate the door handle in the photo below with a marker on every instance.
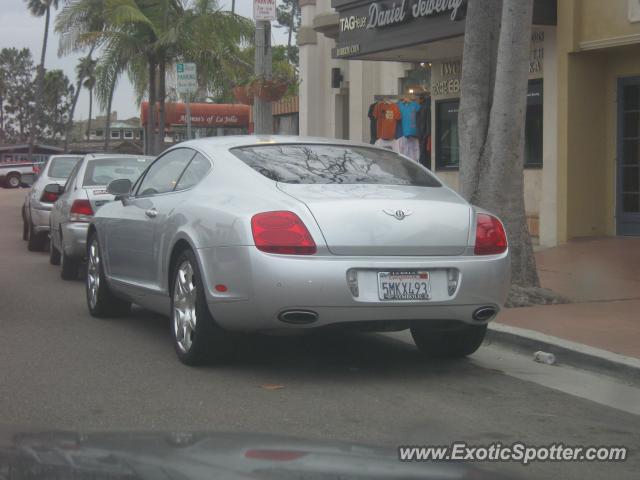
{"x":151,"y":213}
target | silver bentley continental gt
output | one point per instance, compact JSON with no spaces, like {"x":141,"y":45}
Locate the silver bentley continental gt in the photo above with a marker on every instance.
{"x":276,"y":234}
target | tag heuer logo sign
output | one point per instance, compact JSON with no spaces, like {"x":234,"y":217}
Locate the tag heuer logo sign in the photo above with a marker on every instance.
{"x":264,"y":10}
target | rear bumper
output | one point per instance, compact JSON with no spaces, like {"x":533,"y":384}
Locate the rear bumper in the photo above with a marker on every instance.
{"x":40,"y":219}
{"x":262,"y":286}
{"x":74,"y":239}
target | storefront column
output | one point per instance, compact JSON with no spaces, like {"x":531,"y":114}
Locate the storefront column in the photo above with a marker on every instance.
{"x":549,"y":200}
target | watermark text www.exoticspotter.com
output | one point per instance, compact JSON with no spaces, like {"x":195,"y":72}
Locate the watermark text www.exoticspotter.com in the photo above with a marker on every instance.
{"x":515,"y":452}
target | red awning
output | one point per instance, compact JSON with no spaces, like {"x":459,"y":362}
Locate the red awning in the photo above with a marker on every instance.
{"x":203,"y":114}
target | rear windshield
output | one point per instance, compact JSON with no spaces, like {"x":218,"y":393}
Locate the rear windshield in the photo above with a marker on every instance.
{"x":309,"y":163}
{"x":60,"y":167}
{"x":101,"y":171}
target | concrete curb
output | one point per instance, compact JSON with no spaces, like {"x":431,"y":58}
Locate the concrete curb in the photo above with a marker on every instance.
{"x":570,"y":353}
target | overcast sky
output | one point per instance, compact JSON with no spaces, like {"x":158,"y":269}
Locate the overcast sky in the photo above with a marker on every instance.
{"x":19,"y":29}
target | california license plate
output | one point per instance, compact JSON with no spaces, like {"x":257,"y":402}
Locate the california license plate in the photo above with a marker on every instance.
{"x":404,"y":285}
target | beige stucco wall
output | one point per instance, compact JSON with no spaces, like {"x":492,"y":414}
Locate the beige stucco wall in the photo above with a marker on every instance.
{"x":598,"y":43}
{"x":601,"y":20}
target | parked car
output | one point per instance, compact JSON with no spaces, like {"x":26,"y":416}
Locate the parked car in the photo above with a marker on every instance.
{"x":80,"y":197}
{"x":275,"y":234}
{"x":37,"y":203}
{"x":12,"y":174}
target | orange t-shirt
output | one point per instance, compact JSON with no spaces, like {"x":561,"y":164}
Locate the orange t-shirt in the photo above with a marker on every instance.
{"x":387,"y":116}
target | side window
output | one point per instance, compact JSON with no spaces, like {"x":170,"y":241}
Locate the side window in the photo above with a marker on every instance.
{"x":164,"y":173}
{"x":72,"y":176}
{"x":195,"y":172}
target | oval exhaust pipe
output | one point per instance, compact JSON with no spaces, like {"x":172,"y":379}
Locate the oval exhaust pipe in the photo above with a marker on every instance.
{"x":298,"y":317}
{"x":484,"y":314}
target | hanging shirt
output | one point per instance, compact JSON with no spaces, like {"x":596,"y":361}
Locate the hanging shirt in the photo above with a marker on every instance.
{"x":387,"y":116}
{"x":408,"y":110}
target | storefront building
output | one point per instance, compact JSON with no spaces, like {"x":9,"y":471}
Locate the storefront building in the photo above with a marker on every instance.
{"x":582,"y":158}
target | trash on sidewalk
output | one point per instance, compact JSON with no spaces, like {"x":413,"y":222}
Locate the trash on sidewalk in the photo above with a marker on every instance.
{"x":272,"y":386}
{"x":544,"y":357}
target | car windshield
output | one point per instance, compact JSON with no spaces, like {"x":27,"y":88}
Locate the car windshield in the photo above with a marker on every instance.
{"x":61,"y":167}
{"x":101,"y":171}
{"x":334,"y":164}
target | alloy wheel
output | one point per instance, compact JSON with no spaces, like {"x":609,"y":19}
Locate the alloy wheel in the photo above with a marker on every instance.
{"x":184,"y":306}
{"x":93,"y":273}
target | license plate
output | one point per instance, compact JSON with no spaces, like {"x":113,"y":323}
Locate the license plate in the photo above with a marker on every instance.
{"x":404,"y":286}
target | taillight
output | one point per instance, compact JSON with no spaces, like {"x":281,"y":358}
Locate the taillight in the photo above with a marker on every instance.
{"x":49,"y":197}
{"x":35,"y":169}
{"x":491,"y":238}
{"x":282,"y":232}
{"x":81,"y":211}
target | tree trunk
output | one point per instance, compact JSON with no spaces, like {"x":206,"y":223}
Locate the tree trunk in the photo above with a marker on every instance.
{"x":71,"y":113}
{"x":35,"y":115}
{"x":233,"y":6}
{"x":90,"y":114}
{"x":107,"y":126}
{"x":262,"y":117}
{"x":501,"y":180}
{"x":162,"y":95}
{"x":482,"y":30}
{"x":292,"y":23}
{"x":2,"y":135}
{"x":151,"y":121}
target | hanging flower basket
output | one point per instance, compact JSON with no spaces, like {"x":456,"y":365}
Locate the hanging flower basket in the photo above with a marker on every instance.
{"x":243,"y":94}
{"x":270,"y":90}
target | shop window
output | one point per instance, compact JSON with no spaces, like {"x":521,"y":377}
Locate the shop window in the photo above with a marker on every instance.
{"x":115,"y":133}
{"x":128,"y":134}
{"x":447,"y":150}
{"x":417,"y":80}
{"x":446,"y":134}
{"x":533,"y":125}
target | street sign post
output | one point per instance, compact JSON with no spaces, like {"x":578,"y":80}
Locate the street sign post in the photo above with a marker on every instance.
{"x":264,"y":10}
{"x":187,"y":84}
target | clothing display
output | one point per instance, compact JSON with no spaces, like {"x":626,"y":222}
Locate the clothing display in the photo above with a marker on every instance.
{"x":387,"y":115}
{"x":373,"y":124}
{"x":409,"y":147}
{"x":409,"y":111}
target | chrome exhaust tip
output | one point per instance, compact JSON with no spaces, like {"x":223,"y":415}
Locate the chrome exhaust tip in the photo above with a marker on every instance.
{"x":298,"y":317}
{"x":484,"y":314}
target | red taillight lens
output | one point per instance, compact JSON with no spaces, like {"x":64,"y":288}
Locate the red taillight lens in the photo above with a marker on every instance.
{"x":81,"y":211}
{"x":49,"y":197}
{"x":35,"y":169}
{"x":282,"y":232}
{"x":491,"y":238}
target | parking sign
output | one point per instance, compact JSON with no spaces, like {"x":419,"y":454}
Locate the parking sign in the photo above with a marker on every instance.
{"x":187,"y":78}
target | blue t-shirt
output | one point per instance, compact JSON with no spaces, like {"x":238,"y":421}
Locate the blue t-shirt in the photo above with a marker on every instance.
{"x":408,"y":111}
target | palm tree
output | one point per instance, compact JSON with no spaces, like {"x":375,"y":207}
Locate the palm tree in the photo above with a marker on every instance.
{"x":77,"y":24}
{"x":90,"y":83}
{"x":40,"y":8}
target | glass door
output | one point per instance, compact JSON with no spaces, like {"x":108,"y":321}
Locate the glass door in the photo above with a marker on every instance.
{"x":628,"y":164}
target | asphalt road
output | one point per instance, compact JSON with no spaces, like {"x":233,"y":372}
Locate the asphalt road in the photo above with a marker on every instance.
{"x":62,"y":369}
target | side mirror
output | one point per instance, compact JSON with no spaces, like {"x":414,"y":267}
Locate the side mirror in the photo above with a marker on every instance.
{"x":54,"y":188}
{"x":120,"y":188}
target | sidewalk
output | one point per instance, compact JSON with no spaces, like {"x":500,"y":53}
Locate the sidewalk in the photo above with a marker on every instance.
{"x":602,"y":275}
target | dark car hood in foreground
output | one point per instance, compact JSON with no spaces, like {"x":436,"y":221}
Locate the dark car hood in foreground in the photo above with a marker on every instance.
{"x":40,"y":455}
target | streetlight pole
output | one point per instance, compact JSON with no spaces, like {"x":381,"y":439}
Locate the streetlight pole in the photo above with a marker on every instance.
{"x":262,"y":116}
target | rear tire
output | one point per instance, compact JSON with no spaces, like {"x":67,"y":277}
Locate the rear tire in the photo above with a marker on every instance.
{"x":54,"y":254}
{"x":101,"y":301}
{"x":197,"y":338}
{"x":70,"y":266}
{"x":13,"y":180}
{"x":36,"y":242}
{"x":448,"y":343}
{"x":25,"y":227}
